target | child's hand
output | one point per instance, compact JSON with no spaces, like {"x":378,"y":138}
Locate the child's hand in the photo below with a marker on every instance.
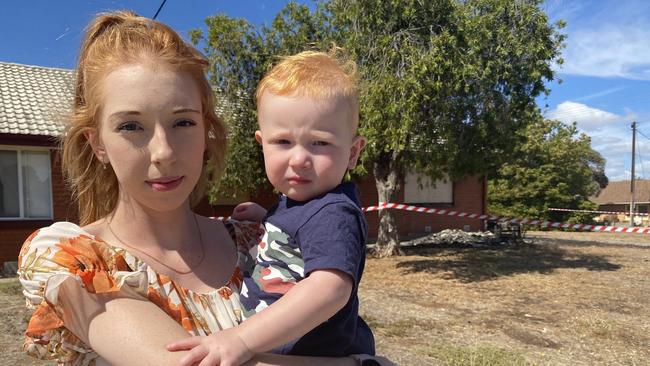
{"x":248,"y":211}
{"x":223,"y":348}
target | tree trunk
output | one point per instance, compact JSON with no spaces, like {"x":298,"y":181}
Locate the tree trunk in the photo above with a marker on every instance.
{"x":387,"y":182}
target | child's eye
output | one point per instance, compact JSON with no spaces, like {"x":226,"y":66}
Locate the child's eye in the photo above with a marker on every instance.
{"x":282,"y":141}
{"x":129,"y":126}
{"x":321,"y":143}
{"x":184,"y":123}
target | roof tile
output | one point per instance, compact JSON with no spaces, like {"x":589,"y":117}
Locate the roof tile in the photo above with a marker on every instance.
{"x":31,"y":98}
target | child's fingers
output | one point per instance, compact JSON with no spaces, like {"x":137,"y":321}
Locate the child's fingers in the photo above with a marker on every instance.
{"x":183,"y":344}
{"x":212,"y":359}
{"x":195,"y":355}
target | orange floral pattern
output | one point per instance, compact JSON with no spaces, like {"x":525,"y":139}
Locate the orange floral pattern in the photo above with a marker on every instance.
{"x":65,"y":249}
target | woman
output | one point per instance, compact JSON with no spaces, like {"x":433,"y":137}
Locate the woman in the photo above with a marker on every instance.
{"x":142,"y":269}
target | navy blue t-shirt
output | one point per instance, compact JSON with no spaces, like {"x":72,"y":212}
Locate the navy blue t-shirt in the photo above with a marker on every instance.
{"x":327,"y":232}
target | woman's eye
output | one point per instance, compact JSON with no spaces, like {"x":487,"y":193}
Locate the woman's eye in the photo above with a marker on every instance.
{"x":184,"y":123}
{"x":129,"y":126}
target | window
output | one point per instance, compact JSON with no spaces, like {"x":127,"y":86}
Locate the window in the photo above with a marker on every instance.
{"x":440,"y":192}
{"x":25,"y":184}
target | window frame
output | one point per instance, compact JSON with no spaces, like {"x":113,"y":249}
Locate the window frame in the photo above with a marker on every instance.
{"x":19,"y":162}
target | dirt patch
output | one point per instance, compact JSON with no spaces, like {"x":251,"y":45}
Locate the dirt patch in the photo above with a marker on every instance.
{"x":566,"y":301}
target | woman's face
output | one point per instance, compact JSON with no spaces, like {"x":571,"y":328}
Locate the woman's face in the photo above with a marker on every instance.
{"x":152,"y":133}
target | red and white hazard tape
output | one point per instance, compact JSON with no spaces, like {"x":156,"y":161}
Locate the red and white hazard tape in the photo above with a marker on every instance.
{"x":600,"y":212}
{"x":546,"y":224}
{"x":550,"y":224}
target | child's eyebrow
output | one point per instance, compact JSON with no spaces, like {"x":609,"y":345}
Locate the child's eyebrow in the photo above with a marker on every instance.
{"x":322,"y":133}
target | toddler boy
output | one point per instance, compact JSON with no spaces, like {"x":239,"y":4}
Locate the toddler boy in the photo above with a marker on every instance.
{"x":301,"y":297}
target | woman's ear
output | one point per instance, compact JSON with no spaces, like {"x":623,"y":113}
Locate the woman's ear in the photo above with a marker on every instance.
{"x":355,"y":150}
{"x":92,"y":135}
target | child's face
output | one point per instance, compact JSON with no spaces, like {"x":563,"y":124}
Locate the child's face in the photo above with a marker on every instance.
{"x":152,"y":132}
{"x":308,"y":144}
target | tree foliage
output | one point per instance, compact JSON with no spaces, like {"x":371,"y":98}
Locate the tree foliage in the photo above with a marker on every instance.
{"x":554,"y":167}
{"x":445,"y":84}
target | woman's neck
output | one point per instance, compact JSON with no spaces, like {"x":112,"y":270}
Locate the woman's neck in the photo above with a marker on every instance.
{"x":146,"y":228}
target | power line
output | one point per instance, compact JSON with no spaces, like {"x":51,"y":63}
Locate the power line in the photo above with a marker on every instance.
{"x":642,"y":134}
{"x":159,"y":9}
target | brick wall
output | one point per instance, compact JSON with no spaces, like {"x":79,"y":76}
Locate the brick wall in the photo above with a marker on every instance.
{"x":469,"y":196}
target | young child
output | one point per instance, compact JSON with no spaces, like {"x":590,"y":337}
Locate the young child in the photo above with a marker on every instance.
{"x":301,"y":297}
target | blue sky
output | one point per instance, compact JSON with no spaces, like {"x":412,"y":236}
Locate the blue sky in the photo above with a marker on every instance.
{"x":605,"y":77}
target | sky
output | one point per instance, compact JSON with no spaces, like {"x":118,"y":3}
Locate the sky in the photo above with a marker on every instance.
{"x":605,"y":77}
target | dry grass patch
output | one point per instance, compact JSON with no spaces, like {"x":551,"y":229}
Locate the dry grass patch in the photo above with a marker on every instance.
{"x":550,"y":303}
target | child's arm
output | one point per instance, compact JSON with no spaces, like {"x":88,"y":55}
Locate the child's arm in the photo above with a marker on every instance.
{"x":250,"y":211}
{"x":309,"y":303}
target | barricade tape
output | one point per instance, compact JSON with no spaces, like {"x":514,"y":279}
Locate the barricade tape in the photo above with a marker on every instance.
{"x":601,"y":212}
{"x":548,"y":224}
{"x":541,"y":223}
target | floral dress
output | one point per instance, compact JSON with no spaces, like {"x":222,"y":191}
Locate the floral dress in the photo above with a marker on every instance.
{"x":64,"y":250}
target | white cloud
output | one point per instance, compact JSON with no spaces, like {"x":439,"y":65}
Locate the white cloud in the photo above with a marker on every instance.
{"x":588,"y":118}
{"x":609,"y":51}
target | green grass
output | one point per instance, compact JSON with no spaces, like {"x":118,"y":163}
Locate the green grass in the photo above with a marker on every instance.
{"x":479,"y":355}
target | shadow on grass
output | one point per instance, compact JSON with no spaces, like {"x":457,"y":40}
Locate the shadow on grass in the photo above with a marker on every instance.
{"x":472,"y":264}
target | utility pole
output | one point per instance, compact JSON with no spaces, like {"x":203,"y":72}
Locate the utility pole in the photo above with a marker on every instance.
{"x":632,"y":180}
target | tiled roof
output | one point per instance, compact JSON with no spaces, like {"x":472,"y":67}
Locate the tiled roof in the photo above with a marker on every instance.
{"x":33,"y":99}
{"x":619,"y":192}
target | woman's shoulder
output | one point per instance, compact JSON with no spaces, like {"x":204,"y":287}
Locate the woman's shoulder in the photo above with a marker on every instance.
{"x":49,"y":236}
{"x":65,"y":247}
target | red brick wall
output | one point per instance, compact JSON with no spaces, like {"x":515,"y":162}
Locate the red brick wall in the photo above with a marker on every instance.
{"x":469,"y":196}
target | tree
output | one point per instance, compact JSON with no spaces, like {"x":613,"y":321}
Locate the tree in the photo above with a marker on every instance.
{"x":445,"y":85}
{"x":554,"y":166}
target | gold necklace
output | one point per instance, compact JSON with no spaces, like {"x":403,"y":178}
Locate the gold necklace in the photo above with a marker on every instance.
{"x":192,"y":267}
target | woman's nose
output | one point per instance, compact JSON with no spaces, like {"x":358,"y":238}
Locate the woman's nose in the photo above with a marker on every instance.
{"x":160,"y":147}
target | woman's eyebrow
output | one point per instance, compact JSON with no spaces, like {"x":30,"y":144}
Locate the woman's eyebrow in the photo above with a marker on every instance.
{"x":124,"y":114}
{"x":186,"y":110}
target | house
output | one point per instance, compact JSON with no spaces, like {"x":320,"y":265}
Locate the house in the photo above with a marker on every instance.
{"x":33,"y":194}
{"x":617,"y":196}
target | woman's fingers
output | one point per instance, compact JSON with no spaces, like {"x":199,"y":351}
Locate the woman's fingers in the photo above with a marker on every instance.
{"x":184,"y":344}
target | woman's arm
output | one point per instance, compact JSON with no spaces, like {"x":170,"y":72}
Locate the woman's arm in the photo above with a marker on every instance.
{"x":126,"y":330}
{"x":121,"y":327}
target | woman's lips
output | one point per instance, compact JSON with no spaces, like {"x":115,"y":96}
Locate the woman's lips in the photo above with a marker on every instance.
{"x":165,"y":184}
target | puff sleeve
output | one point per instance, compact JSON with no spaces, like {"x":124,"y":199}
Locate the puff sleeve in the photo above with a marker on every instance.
{"x":49,"y":257}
